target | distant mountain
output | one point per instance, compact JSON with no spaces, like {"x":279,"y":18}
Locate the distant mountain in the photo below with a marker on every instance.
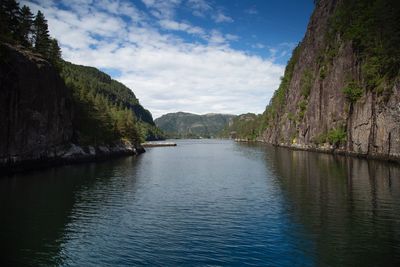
{"x":188,"y":125}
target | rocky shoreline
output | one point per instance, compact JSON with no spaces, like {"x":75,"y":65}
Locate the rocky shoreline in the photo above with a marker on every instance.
{"x":67,"y":154}
{"x":329,"y":149}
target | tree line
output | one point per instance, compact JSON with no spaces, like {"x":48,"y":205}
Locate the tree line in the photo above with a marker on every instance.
{"x":105,"y":110}
{"x":18,"y":26}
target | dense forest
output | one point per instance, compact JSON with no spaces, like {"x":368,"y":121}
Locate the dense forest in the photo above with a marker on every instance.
{"x":104,"y":109}
{"x":245,"y":126}
{"x":107,"y":109}
{"x":193,"y":126}
{"x":18,"y":26}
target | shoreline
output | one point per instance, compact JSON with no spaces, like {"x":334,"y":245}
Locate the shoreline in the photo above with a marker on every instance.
{"x":71,"y":155}
{"x":331,"y":151}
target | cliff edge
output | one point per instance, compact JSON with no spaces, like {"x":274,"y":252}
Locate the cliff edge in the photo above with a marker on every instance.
{"x":341,"y":88}
{"x":37,"y":116}
{"x":35,"y":106}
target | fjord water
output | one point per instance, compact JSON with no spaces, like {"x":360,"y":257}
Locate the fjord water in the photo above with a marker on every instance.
{"x":205,"y":202}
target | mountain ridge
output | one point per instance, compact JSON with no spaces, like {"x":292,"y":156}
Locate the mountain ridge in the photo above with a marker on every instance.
{"x":189,"y":125}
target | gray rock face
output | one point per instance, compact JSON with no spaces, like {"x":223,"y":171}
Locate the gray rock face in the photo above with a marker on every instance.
{"x":35,"y":107}
{"x":36,"y":116}
{"x":372,"y":124}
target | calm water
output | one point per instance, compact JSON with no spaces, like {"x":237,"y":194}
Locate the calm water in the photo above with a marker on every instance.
{"x":205,"y":203}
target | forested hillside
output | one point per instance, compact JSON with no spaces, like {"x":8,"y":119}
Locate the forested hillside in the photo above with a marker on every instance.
{"x":104,"y":109}
{"x":53,"y":110}
{"x":107,"y":109}
{"x":188,"y":125}
{"x":245,"y":126}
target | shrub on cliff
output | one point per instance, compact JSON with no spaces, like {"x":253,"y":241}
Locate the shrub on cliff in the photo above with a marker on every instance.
{"x":353,"y":92}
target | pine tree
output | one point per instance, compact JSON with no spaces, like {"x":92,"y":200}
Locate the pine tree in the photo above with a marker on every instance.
{"x":41,"y":34}
{"x":54,"y":53}
{"x":25,"y":27}
{"x":9,"y":20}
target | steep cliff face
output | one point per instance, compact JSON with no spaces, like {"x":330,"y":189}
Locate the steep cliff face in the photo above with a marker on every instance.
{"x":35,"y":107}
{"x":328,"y":100}
{"x":37,"y":126}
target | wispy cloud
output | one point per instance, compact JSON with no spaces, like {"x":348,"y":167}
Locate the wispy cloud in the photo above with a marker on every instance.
{"x":167,"y":72}
{"x":199,"y":7}
{"x":182,"y":26}
{"x":162,"y":9}
{"x":221,"y":17}
{"x":251,"y":10}
{"x":202,"y":8}
{"x":258,"y":46}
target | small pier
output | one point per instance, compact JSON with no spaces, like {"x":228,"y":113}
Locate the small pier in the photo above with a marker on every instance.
{"x":158,"y":144}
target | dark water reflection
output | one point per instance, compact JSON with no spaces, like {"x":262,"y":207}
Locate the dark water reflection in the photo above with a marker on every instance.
{"x":350,"y":207}
{"x":205,"y":203}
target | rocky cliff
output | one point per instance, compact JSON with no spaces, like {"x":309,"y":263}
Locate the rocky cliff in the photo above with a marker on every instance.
{"x":35,"y":106}
{"x":341,"y":89}
{"x":36,"y":115}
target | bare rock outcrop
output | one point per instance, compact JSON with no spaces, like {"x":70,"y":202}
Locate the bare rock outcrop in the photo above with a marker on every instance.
{"x":36,"y":116}
{"x":35,"y":107}
{"x":371,"y":124}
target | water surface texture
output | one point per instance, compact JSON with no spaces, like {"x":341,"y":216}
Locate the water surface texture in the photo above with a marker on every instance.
{"x":205,"y":203}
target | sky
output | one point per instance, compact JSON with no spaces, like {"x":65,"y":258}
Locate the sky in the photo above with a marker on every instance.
{"x":199,"y":56}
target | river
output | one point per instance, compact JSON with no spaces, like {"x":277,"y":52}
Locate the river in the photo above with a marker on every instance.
{"x":205,"y":203}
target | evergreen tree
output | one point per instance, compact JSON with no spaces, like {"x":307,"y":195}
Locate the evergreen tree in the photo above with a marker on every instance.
{"x":25,"y":27}
{"x":54,"y":53}
{"x":41,"y":34}
{"x":9,"y":20}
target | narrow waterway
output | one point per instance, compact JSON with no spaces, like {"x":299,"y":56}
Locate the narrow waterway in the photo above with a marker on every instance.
{"x":205,"y":203}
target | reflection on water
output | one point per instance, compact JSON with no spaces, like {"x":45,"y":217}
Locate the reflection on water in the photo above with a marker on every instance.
{"x":349,"y":206}
{"x":205,"y":202}
{"x":36,"y":208}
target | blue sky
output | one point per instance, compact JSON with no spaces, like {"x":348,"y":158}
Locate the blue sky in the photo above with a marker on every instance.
{"x":198,"y":56}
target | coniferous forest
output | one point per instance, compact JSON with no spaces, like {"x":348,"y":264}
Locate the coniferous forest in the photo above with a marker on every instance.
{"x":104,"y":109}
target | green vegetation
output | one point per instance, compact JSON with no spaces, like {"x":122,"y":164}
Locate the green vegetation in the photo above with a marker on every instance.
{"x":246,"y":126}
{"x":188,"y":125}
{"x":278,"y":100}
{"x":18,"y":26}
{"x":306,"y":83}
{"x":373,"y":27}
{"x":336,"y":136}
{"x":106,"y":109}
{"x":303,"y":108}
{"x":353,"y":92}
{"x":322,"y":72}
{"x":291,"y":117}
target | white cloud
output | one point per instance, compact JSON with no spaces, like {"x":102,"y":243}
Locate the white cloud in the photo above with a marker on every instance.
{"x":177,"y":26}
{"x":199,"y":7}
{"x":258,"y":46}
{"x":221,"y":17}
{"x":251,"y":11}
{"x":162,"y":9}
{"x":202,"y":8}
{"x":166,"y":72}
